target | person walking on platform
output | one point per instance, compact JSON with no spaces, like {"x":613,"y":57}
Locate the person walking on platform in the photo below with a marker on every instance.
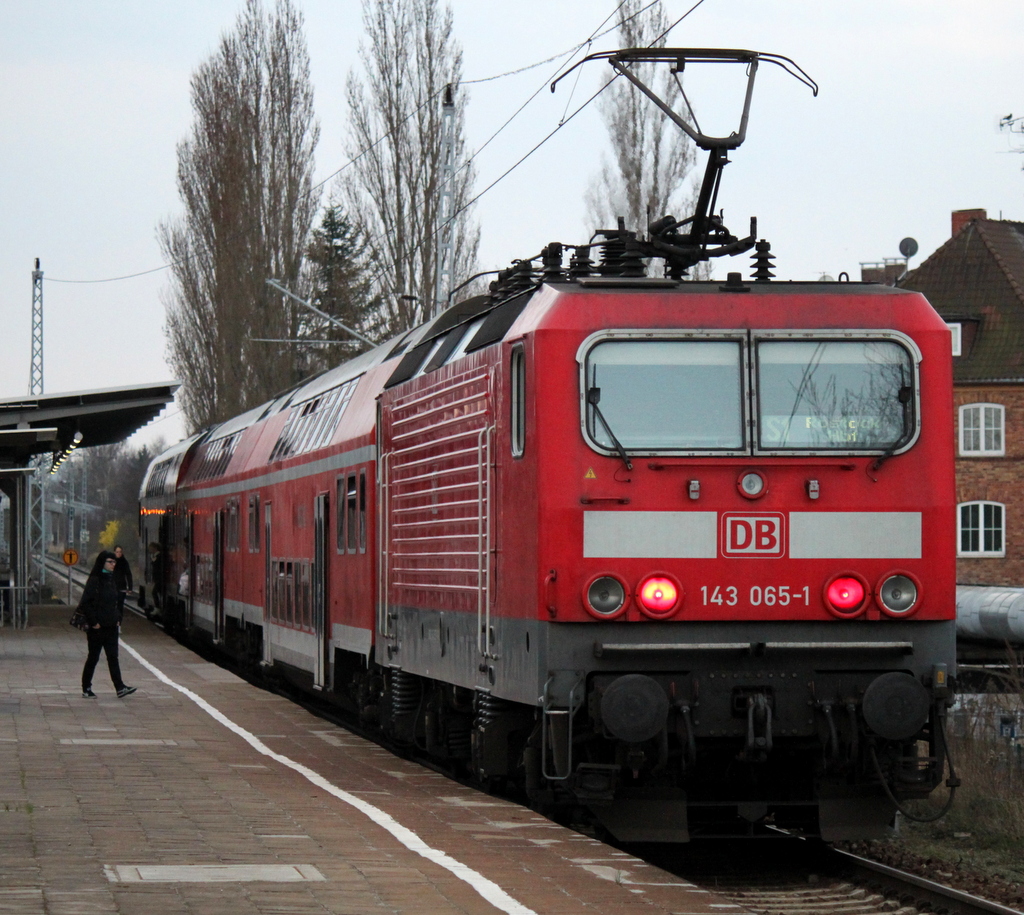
{"x":100,"y":605}
{"x":123,"y":580}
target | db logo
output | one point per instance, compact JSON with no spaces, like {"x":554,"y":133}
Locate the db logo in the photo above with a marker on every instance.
{"x":753,"y":534}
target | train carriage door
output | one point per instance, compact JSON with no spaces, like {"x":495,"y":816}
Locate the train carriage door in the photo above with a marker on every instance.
{"x":218,"y":576}
{"x":268,"y":585}
{"x":162,"y":564}
{"x":320,"y":615}
{"x":190,"y":523}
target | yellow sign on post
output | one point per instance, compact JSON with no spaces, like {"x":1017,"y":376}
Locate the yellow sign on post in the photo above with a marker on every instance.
{"x":71,"y":557}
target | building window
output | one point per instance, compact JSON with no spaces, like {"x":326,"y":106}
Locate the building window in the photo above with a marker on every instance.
{"x":980,"y":529}
{"x":981,"y":429}
{"x":956,"y":333}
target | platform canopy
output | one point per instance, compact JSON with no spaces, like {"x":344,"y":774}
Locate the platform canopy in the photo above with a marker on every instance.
{"x":41,"y":423}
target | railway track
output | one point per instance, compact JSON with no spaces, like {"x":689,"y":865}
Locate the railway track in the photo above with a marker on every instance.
{"x":58,"y":570}
{"x":917,"y":891}
{"x":792,"y":876}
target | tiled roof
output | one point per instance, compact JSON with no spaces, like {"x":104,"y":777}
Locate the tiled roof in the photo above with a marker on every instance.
{"x":977,"y":278}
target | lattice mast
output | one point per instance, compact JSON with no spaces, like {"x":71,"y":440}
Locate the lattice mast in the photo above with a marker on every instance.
{"x":35,"y":377}
{"x":37,"y":489}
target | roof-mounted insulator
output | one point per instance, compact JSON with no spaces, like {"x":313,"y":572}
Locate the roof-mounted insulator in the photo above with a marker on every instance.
{"x":521,"y":277}
{"x":763,"y":262}
{"x":551,"y":258}
{"x":580,"y":263}
{"x":621,"y":253}
{"x":499,"y":285}
{"x":612,"y":250}
{"x":632,"y":259}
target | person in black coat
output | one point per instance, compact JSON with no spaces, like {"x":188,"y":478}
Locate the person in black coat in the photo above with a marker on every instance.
{"x":122,"y":578}
{"x":100,"y":606}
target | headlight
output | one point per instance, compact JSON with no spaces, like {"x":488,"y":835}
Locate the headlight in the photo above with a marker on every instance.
{"x":752,"y":484}
{"x":605,"y":597}
{"x":898,"y":595}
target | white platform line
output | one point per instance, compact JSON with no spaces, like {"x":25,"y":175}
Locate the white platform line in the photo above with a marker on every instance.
{"x":488,"y":889}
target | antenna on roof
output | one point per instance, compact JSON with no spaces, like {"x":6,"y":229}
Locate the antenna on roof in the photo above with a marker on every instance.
{"x":908,"y":248}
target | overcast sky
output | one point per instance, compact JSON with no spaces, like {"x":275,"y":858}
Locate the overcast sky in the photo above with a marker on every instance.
{"x":94,"y":97}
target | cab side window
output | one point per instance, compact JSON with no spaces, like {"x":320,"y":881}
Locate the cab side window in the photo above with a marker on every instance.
{"x":517,"y":399}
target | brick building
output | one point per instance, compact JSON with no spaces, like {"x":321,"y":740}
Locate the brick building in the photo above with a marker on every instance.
{"x":976,"y":282}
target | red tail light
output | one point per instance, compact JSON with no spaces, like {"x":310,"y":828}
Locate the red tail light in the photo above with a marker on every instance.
{"x":845,"y":595}
{"x":659,"y":596}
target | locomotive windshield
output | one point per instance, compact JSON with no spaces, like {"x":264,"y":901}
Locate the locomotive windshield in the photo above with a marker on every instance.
{"x":649,"y":393}
{"x":833,"y":395}
{"x":665,"y":395}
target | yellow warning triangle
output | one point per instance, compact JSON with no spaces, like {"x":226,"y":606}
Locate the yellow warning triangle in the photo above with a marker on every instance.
{"x":590,"y":475}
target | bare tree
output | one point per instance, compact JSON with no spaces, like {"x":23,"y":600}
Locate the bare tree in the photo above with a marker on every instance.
{"x":245,"y":180}
{"x":651,"y":156}
{"x":410,"y":54}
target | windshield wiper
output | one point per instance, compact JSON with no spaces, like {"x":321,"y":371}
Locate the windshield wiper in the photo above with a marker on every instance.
{"x":593,"y":398}
{"x":904,"y":396}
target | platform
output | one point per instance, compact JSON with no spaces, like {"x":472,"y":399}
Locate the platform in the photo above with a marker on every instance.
{"x":203,"y":794}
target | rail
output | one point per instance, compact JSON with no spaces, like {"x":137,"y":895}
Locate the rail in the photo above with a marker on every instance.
{"x":936,"y":896}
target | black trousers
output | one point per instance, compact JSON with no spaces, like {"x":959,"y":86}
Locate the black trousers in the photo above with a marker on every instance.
{"x":102,"y":639}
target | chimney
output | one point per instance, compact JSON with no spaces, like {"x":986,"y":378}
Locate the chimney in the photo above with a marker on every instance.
{"x":962,"y":217}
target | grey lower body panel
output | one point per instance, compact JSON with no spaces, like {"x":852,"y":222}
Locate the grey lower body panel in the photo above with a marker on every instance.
{"x":521,"y":656}
{"x":507,"y":661}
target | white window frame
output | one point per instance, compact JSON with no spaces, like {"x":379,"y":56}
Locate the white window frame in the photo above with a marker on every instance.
{"x":957,"y":334}
{"x":985,"y":412}
{"x":517,"y":400}
{"x":1001,"y":527}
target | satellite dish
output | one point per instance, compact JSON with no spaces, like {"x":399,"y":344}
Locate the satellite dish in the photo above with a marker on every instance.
{"x":908,"y":247}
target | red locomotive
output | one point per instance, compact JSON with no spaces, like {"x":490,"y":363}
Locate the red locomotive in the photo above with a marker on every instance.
{"x":678,"y":552}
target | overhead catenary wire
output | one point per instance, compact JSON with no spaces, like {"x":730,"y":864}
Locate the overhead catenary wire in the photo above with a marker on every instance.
{"x":313,"y":188}
{"x":565,"y":120}
{"x":531,"y":151}
{"x":431,"y":98}
{"x":573,"y":50}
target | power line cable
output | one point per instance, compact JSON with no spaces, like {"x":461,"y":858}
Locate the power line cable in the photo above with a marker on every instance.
{"x":572,"y":51}
{"x":537,"y":146}
{"x":377,"y":142}
{"x":427,"y":101}
{"x":314,"y":187}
